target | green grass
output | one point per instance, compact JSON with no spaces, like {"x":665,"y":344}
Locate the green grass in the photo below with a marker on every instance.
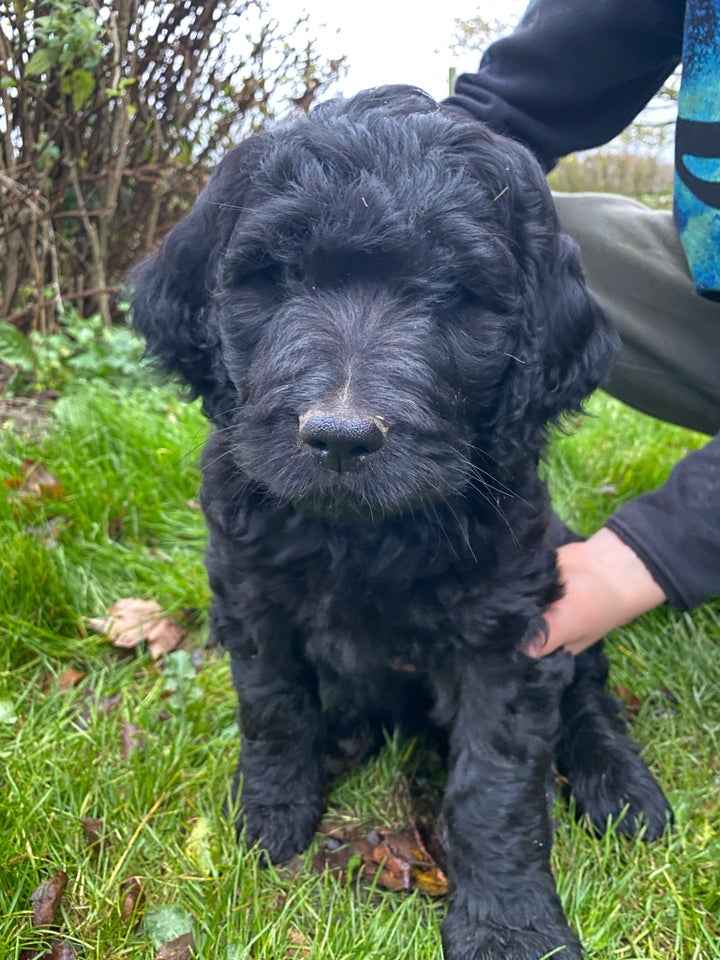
{"x":117,"y":518}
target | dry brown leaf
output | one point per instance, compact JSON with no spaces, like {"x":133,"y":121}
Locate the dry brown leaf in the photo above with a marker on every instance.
{"x":62,"y":950}
{"x":398,"y":860}
{"x":70,"y":678}
{"x":395,"y":869}
{"x":46,"y":899}
{"x":300,"y":943}
{"x":133,"y":898}
{"x":131,"y":621}
{"x":406,"y":864}
{"x":180,"y":948}
{"x":425,"y":872}
{"x":633,"y":703}
{"x":37,"y":481}
{"x":107,"y":704}
{"x":344,"y":859}
{"x":132,"y":738}
{"x":94,"y":832}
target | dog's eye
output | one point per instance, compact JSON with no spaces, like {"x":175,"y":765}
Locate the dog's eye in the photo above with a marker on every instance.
{"x":267,"y":273}
{"x":461,"y":296}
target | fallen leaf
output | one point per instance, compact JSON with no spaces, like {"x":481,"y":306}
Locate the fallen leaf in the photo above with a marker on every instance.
{"x":395,"y":868}
{"x":70,"y":678}
{"x":181,"y":948}
{"x":133,"y":898}
{"x":61,"y":950}
{"x":343,"y":856}
{"x":37,"y":481}
{"x":94,"y":832}
{"x":633,"y":703}
{"x":46,"y":899}
{"x":300,"y":943}
{"x":131,"y":739}
{"x":107,"y":704}
{"x":88,"y":708}
{"x":406,"y":864}
{"x":131,"y":621}
{"x":397,"y":860}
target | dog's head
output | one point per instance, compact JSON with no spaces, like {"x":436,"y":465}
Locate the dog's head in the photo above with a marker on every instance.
{"x":366,"y":297}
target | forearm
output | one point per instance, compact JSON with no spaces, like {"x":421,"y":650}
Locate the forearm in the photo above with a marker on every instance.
{"x":675,"y":529}
{"x":571,"y":75}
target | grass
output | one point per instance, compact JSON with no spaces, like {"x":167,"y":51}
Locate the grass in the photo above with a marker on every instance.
{"x":115,"y":516}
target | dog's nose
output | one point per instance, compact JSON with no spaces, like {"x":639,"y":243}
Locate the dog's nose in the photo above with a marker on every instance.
{"x":341,"y":441}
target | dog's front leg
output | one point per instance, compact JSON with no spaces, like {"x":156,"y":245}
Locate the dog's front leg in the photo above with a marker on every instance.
{"x":279,"y":772}
{"x":504,"y":723}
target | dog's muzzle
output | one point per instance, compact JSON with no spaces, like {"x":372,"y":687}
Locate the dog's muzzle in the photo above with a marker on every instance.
{"x":341,"y":440}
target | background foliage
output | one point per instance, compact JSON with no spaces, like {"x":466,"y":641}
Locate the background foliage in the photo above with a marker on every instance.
{"x":111,"y":114}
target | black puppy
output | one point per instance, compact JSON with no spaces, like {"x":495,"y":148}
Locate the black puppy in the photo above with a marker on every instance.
{"x":382,"y":318}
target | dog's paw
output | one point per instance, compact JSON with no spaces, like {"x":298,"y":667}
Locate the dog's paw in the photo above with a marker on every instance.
{"x":620,"y":789}
{"x":489,"y":942}
{"x":279,"y":830}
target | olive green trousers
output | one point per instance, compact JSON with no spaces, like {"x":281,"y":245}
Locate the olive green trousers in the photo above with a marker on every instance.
{"x":669,"y":365}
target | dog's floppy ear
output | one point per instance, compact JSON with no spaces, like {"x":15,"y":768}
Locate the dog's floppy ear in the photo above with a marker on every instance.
{"x":171,"y":290}
{"x":575,"y":341}
{"x":567,"y":344}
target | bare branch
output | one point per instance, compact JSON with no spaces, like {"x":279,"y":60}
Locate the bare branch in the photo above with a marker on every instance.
{"x":100,"y":156}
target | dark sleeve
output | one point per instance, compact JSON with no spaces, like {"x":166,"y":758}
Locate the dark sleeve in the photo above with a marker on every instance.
{"x":574,"y":73}
{"x":676,"y":530}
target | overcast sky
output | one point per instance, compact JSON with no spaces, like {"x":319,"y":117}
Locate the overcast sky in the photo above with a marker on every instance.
{"x":394,"y":41}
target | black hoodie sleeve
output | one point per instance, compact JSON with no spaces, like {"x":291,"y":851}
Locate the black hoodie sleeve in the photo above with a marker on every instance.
{"x":574,"y":73}
{"x":676,"y":530}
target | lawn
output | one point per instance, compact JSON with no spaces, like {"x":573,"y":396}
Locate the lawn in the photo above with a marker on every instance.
{"x":115,"y":766}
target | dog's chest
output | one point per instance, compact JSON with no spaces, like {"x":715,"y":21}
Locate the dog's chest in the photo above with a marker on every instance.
{"x":349,"y":623}
{"x":359,"y":614}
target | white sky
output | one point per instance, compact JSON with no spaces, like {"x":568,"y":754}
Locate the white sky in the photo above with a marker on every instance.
{"x":394,"y":41}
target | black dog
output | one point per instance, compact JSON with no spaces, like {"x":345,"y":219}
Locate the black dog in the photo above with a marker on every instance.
{"x":382,"y":319}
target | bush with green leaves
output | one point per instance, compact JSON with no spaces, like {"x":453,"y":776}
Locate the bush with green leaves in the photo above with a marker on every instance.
{"x":113,"y":114}
{"x":82,"y":350}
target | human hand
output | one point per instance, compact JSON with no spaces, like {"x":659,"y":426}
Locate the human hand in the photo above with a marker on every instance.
{"x":606,"y":585}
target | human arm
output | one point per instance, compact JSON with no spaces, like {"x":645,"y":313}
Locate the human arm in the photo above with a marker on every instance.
{"x":573,"y":74}
{"x":664,"y":544}
{"x":606,"y":586}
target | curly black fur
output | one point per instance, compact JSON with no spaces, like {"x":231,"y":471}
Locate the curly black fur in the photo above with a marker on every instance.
{"x":382,"y":318}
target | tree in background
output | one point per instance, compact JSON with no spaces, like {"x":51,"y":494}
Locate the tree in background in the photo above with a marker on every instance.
{"x":112,"y":113}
